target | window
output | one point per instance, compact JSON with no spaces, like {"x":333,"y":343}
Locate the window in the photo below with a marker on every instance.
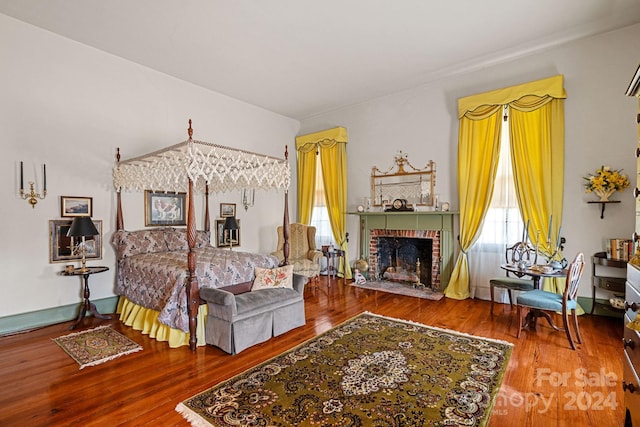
{"x":503,"y":222}
{"x":320,"y":214}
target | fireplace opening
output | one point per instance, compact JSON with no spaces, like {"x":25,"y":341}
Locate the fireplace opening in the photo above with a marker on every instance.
{"x":405,"y":259}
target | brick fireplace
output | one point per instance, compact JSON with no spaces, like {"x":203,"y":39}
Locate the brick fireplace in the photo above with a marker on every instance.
{"x":430,"y":266}
{"x":434,"y":225}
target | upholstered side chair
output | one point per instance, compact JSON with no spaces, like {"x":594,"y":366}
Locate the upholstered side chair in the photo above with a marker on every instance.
{"x":521,"y":251}
{"x":303,"y":254}
{"x":546,"y":303}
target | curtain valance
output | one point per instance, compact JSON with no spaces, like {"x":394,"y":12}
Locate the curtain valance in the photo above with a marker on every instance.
{"x":547,"y":89}
{"x":221,"y":168}
{"x":325,"y":138}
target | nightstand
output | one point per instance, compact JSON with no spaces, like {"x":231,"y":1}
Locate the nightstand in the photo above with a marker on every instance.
{"x":87,"y":306}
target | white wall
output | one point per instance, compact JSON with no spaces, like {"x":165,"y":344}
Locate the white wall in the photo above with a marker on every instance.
{"x":600,"y":129}
{"x":70,"y":106}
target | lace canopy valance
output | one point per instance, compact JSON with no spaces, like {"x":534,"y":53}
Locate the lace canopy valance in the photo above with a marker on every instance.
{"x":222,"y":168}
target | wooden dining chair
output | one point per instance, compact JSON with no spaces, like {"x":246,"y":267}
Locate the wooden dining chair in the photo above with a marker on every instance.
{"x":521,"y":251}
{"x":545,"y":302}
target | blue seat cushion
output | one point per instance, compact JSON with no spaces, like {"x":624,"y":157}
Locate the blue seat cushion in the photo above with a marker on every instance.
{"x":512,"y":283}
{"x":544,"y":300}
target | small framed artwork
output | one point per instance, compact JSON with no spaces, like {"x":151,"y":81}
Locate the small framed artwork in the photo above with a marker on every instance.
{"x":63,"y":248}
{"x":227,"y":238}
{"x":227,"y":209}
{"x":165,"y":208}
{"x":75,"y":206}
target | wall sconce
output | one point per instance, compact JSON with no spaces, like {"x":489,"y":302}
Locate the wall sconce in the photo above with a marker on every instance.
{"x":248,"y":197}
{"x":32,"y":197}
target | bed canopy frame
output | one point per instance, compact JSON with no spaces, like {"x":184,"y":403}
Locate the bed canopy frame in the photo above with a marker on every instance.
{"x":201,"y":167}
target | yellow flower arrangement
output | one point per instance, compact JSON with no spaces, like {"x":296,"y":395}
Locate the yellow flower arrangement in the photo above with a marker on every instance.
{"x":606,"y":181}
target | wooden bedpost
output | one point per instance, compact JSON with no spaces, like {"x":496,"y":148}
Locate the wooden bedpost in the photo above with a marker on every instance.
{"x":119,"y":216}
{"x":207,"y":225}
{"x":192,"y":288}
{"x":193,"y":292}
{"x":285,"y":220}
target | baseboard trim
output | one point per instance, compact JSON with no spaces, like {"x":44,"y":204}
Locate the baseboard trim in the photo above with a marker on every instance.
{"x":37,"y":319}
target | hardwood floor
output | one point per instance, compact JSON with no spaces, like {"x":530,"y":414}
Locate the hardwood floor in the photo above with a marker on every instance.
{"x":547,"y":384}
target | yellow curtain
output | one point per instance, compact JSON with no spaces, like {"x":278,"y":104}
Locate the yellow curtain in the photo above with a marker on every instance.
{"x":537,"y":147}
{"x":334,"y":172}
{"x":331,"y":145}
{"x":537,"y":150}
{"x":478,"y":153}
{"x":306,"y":181}
{"x":537,"y":138}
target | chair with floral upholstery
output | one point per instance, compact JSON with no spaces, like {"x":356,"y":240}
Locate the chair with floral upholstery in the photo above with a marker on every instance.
{"x":303,"y":254}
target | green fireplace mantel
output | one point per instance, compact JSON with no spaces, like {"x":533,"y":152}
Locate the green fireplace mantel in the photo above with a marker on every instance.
{"x":430,"y":220}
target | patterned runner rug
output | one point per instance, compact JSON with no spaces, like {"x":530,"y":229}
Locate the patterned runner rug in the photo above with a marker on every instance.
{"x":370,"y":370}
{"x":400,"y":288}
{"x":95,"y":346}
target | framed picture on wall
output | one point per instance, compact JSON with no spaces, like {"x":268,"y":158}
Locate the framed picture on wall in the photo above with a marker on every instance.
{"x":227,"y":238}
{"x":227,"y":209}
{"x":63,"y":248}
{"x":165,"y":208}
{"x":75,"y":206}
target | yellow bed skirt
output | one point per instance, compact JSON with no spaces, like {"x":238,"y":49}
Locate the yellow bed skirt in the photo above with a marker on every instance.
{"x":146,"y":320}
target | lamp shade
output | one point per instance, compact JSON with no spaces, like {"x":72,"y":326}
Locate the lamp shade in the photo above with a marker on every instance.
{"x":82,"y":226}
{"x":230,"y":223}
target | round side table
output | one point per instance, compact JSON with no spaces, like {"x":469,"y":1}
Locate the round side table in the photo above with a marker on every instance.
{"x":87,"y":305}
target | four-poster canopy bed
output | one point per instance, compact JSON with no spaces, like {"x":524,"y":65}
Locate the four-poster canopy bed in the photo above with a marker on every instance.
{"x":192,"y":167}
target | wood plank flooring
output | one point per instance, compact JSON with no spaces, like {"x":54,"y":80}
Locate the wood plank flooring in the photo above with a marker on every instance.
{"x":547,"y":384}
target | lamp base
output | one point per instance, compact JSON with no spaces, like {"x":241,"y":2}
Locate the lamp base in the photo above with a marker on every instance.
{"x":83,"y":266}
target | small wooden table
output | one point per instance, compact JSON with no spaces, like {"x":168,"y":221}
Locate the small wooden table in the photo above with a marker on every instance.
{"x":87,"y":306}
{"x":536,"y":274}
{"x":333,"y":261}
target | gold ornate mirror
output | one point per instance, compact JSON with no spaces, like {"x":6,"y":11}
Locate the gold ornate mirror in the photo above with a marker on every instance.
{"x":416,"y":186}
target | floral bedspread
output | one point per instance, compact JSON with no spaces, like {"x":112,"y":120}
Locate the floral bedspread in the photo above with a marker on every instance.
{"x":156,"y":280}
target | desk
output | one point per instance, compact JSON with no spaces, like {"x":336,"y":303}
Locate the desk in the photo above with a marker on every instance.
{"x":333,"y":261}
{"x":87,"y":306}
{"x":536,"y":274}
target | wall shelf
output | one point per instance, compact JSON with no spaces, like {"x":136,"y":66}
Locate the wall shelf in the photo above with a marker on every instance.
{"x":603,"y":203}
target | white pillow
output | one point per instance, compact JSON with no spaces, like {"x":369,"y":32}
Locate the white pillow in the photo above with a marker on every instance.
{"x":279,"y":277}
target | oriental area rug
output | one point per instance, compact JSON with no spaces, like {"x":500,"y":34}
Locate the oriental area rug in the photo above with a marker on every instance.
{"x":369,"y":371}
{"x":400,"y":289}
{"x":95,"y":346}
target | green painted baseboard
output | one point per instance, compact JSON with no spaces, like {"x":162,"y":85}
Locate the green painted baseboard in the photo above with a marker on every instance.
{"x":51,"y":316}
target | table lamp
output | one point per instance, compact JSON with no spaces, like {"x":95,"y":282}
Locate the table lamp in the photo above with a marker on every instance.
{"x":230,"y":224}
{"x":82,"y":226}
